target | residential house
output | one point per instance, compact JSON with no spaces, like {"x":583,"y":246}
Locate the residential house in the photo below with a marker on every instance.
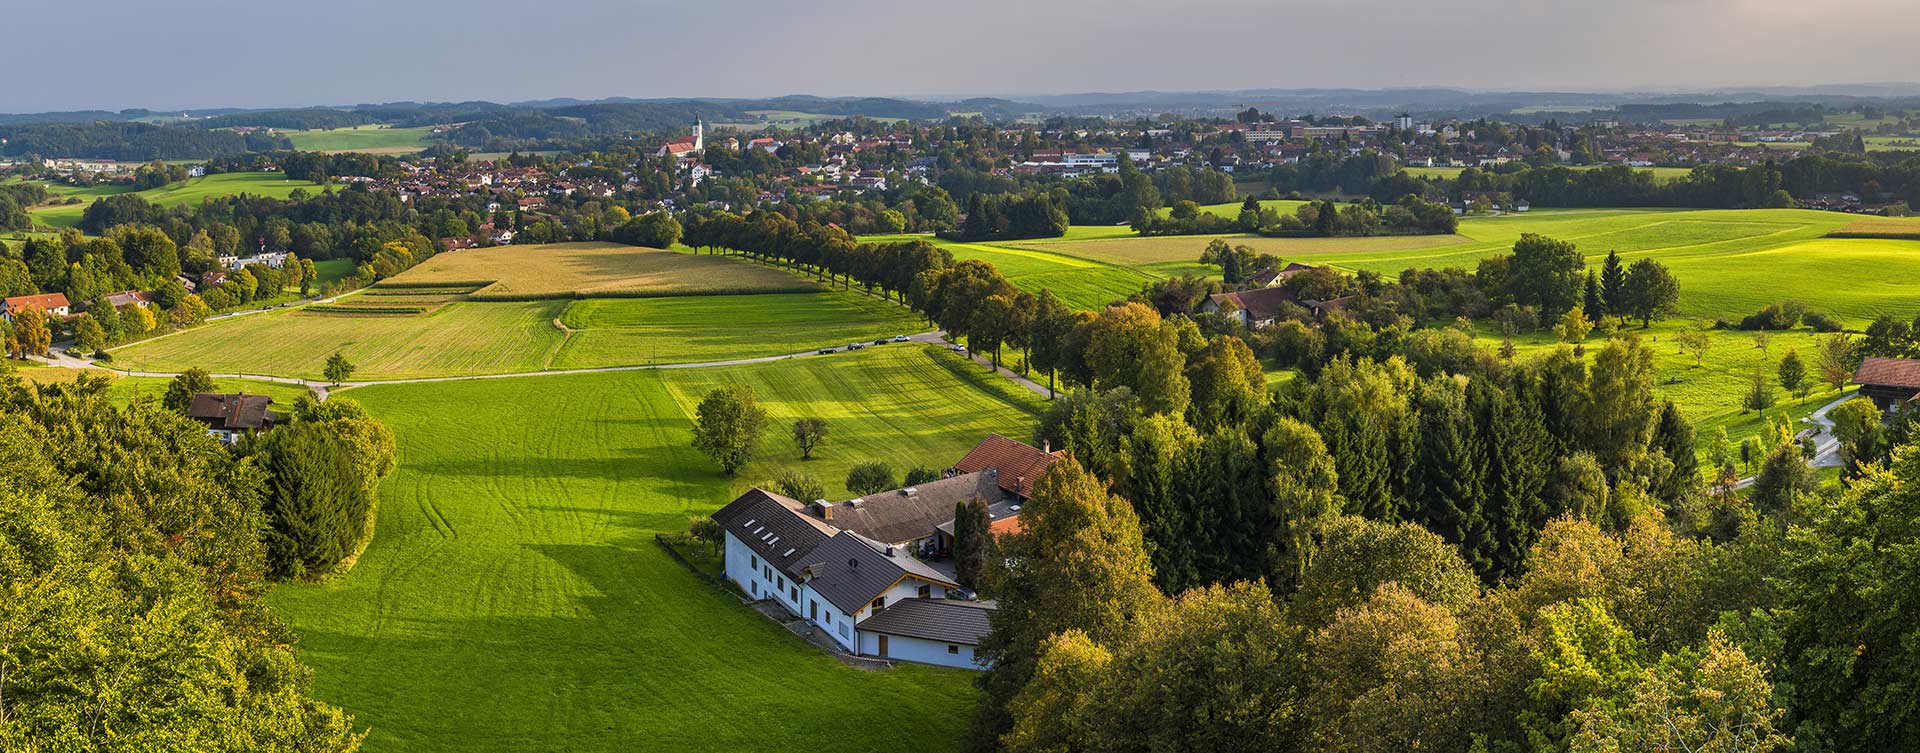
{"x":1261,"y":307}
{"x":1888,"y":382}
{"x":126,"y":298}
{"x":228,"y":416}
{"x":55,"y":304}
{"x":850,"y":569}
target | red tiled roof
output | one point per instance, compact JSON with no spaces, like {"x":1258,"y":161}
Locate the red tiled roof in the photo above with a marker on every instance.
{"x":1018,"y":464}
{"x":1889,"y":372}
{"x":44,"y":301}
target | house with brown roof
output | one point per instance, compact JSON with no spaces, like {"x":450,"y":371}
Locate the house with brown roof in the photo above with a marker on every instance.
{"x":227,"y":416}
{"x":55,"y":304}
{"x":1888,"y":382}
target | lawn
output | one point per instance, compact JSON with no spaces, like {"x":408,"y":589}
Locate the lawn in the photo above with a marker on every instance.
{"x":569,"y":270}
{"x":371,"y":139}
{"x":184,"y":193}
{"x":469,"y":338}
{"x":513,"y":597}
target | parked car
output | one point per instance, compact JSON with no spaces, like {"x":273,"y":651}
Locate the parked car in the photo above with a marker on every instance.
{"x":957,"y":348}
{"x":824,"y":351}
{"x":881,"y":341}
{"x":854,"y":346}
{"x":899,"y":338}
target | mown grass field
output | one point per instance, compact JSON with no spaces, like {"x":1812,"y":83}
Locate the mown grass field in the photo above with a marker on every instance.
{"x":1083,"y":283}
{"x":371,"y":139}
{"x":513,"y":597}
{"x":187,"y":192}
{"x":1729,"y":262}
{"x":605,"y":331}
{"x":569,"y":270}
{"x":468,"y":338}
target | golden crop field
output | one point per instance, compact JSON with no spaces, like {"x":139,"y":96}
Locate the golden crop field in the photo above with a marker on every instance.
{"x":580,"y":270}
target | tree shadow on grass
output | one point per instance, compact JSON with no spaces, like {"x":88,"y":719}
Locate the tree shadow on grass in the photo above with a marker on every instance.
{"x":632,"y":653}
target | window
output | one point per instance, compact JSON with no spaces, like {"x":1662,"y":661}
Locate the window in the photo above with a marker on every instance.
{"x":793,"y":594}
{"x":925,"y":590}
{"x":753,"y":561}
{"x":880,"y":602}
{"x":952,"y":649}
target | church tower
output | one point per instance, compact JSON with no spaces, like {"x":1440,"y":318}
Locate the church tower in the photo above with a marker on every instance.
{"x":699,"y":135}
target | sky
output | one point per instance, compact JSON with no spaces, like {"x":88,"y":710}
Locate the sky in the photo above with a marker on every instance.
{"x":116,"y":54}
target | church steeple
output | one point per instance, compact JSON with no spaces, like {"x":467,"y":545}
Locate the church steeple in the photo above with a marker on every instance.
{"x":699,"y":135}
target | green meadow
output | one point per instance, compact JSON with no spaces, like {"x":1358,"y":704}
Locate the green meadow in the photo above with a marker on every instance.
{"x":371,"y":139}
{"x":513,"y":597}
{"x":469,"y":338}
{"x":184,"y":193}
{"x":1729,"y":262}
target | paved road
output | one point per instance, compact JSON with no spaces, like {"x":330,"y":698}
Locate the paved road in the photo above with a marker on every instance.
{"x":1826,"y":448}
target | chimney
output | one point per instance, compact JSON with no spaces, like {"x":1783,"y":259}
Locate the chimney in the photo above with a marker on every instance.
{"x":889,"y":550}
{"x":823,"y":508}
{"x":1046,"y":446}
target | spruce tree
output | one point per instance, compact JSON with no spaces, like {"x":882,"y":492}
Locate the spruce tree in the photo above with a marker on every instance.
{"x":1446,"y":493}
{"x":1673,"y":437}
{"x":1613,"y":281}
{"x":1513,"y":438}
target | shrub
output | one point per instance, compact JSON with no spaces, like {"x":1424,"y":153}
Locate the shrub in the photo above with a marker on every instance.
{"x":1821,"y":321}
{"x":869,"y":477}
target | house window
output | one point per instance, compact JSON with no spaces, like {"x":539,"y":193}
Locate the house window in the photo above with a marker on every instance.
{"x":793,"y":594}
{"x":753,"y":561}
{"x":879,"y":603}
{"x":925,"y":590}
{"x":953,"y":649}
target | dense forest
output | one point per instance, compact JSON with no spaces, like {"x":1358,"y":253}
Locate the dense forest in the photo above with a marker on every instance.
{"x":132,"y":142}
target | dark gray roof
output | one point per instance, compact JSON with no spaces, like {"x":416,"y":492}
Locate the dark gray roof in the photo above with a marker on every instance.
{"x":897,"y":517}
{"x":231,"y":411}
{"x":943,"y":620}
{"x":774,"y":528}
{"x":850,"y":570}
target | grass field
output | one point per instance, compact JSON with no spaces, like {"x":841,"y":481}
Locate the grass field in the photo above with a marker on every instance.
{"x":370,"y":139}
{"x":605,"y":331}
{"x":467,"y":338}
{"x":128,"y":389}
{"x":188,"y":192}
{"x":1083,"y":283}
{"x":513,"y":598}
{"x":1906,"y":228}
{"x":568,"y":270}
{"x":1729,"y":262}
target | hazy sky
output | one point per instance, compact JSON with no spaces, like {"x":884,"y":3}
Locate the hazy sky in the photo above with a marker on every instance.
{"x":113,"y":54}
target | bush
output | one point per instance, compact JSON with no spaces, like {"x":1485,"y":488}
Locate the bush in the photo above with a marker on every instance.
{"x":1775,"y":316}
{"x":1821,"y":321}
{"x":869,"y":477}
